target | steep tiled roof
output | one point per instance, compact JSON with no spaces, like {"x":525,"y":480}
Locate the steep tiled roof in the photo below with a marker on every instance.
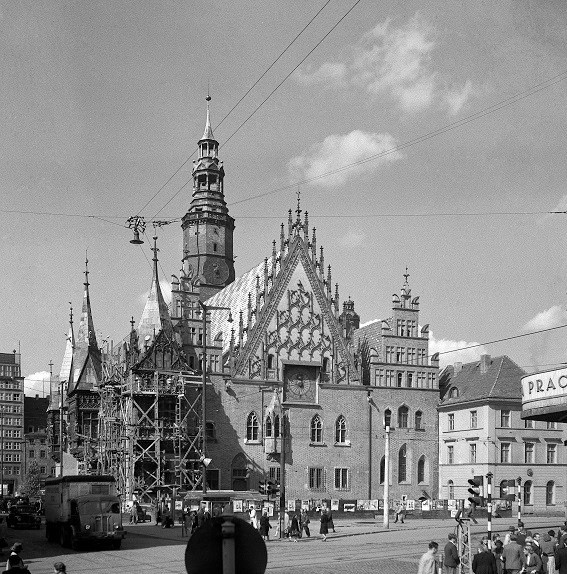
{"x":501,"y":379}
{"x":370,"y":332}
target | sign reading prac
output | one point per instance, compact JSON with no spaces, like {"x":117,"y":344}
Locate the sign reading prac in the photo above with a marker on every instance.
{"x":542,"y":389}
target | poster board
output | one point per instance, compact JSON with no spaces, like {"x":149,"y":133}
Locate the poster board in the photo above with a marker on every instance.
{"x":237,"y":506}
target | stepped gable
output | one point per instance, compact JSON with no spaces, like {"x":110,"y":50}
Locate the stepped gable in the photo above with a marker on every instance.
{"x":489,"y":378}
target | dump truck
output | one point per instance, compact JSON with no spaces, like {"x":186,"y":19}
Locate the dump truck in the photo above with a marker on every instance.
{"x":83,"y":510}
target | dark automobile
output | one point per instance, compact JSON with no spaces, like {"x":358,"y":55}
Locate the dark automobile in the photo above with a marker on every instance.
{"x":23,"y":516}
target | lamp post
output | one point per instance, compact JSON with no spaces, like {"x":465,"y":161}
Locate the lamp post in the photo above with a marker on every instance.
{"x":204,"y":310}
{"x":387,"y":471}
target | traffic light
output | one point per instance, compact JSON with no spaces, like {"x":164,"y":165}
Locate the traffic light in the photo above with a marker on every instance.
{"x":273,"y":488}
{"x":262,"y":487}
{"x":508,"y":490}
{"x":476,"y":491}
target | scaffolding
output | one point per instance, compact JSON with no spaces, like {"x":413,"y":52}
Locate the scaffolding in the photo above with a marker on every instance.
{"x":150,"y":429}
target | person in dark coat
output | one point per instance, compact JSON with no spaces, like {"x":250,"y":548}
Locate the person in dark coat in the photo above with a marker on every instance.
{"x":304,"y":523}
{"x":451,"y":558}
{"x":532,"y":562}
{"x":484,"y":562}
{"x":324,"y":529}
{"x":497,"y":551}
{"x":513,"y":556}
{"x":561,"y":559}
{"x":330,"y":523}
{"x":265,"y":526}
{"x":294,"y":532}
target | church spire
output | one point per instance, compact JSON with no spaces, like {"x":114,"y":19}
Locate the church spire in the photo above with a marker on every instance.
{"x":67,"y":363}
{"x":86,"y":336}
{"x":155,"y":317}
{"x":208,"y":133}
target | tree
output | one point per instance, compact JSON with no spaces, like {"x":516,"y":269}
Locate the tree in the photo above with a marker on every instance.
{"x":32,"y":481}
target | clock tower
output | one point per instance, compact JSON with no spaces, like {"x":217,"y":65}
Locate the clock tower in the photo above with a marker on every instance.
{"x":207,"y":227}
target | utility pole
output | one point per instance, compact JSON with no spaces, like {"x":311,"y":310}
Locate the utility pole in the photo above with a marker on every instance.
{"x":489,"y":507}
{"x":519,"y":483}
{"x":283,"y":432}
{"x":387,"y":419}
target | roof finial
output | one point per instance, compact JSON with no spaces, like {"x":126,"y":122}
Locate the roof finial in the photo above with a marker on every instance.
{"x":298,"y":210}
{"x":406,"y":275}
{"x":208,"y":133}
{"x":155,"y":250}
{"x":86,"y":268}
{"x":71,"y":313}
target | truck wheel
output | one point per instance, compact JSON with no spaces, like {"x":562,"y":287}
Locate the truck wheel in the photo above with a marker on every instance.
{"x":116,"y":544}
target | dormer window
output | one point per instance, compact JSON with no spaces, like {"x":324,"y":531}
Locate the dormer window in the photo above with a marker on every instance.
{"x":454,"y":393}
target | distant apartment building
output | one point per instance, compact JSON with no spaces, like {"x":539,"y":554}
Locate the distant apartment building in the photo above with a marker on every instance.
{"x":11,"y":422}
{"x":35,"y":436}
{"x":480,"y":431}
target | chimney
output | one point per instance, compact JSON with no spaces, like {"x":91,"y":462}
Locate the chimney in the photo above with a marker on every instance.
{"x":484,"y":364}
{"x":458,"y":367}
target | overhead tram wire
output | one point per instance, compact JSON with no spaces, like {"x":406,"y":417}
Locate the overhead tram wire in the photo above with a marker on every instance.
{"x":273,"y":92}
{"x":236,"y":105}
{"x":532,"y":90}
{"x":476,"y":345}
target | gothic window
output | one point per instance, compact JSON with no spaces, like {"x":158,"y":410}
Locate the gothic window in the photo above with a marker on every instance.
{"x":402,"y":464}
{"x":270,"y":361}
{"x":382,"y":469}
{"x":418,"y":420}
{"x":240,"y":472}
{"x":421,"y":470}
{"x":451,"y":490}
{"x":400,"y":377}
{"x":276,"y":426}
{"x":528,"y":493}
{"x":316,"y":429}
{"x":410,"y":379}
{"x":403,"y":413}
{"x":252,"y":427}
{"x":340,"y":430}
{"x":268,"y":426}
{"x":387,"y":418}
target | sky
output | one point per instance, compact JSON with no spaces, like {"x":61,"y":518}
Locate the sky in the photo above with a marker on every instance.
{"x":429,"y":134}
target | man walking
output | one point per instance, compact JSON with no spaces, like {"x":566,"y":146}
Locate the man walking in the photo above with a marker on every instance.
{"x":428,"y":562}
{"x":400,"y":511}
{"x":513,"y":556}
{"x":451,"y":555}
{"x":561,"y":559}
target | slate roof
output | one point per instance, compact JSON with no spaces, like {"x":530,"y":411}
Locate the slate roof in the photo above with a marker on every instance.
{"x":502,"y":380}
{"x":371,"y":332}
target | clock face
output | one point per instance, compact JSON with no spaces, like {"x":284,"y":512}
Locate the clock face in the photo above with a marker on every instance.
{"x":300,"y":383}
{"x":215,"y":271}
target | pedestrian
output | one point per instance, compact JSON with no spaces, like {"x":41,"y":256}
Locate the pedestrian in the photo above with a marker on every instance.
{"x":15,"y":560}
{"x":265,"y":526}
{"x":59,"y":568}
{"x":330,"y":522}
{"x":532,"y":562}
{"x":497,"y":551}
{"x":166,"y":520}
{"x":509,"y":533}
{"x":513,"y":556}
{"x":400,"y":511}
{"x":548,"y":551}
{"x":304,"y":523}
{"x":484,"y":561}
{"x":428,"y":562}
{"x":294,"y":532}
{"x":133,"y":514}
{"x":253,"y":517}
{"x":536,"y":544}
{"x":324,"y":528}
{"x":451,"y":558}
{"x":561,"y":559}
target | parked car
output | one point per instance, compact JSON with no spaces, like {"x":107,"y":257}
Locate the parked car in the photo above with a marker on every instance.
{"x":23,"y":516}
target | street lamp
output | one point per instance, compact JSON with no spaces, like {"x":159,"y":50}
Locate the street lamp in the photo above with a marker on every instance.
{"x":387,"y":421}
{"x":204,"y":310}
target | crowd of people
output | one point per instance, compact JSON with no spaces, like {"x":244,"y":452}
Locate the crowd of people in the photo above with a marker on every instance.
{"x":519,"y":551}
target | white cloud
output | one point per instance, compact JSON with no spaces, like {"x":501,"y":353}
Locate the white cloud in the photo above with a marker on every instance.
{"x":336,"y":151}
{"x":552,"y":317}
{"x":352,"y":239}
{"x":397,"y":61}
{"x":457,"y":356}
{"x":37,"y":384}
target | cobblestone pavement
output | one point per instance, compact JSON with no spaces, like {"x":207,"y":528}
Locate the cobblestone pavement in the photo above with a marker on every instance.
{"x":358,"y":547}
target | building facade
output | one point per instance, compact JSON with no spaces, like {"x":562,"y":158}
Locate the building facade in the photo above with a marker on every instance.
{"x":294,"y":389}
{"x":35,"y":449}
{"x":481,"y":431}
{"x":11,"y":422}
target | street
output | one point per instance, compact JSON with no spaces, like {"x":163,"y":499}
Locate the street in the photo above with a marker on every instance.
{"x":357,"y":547}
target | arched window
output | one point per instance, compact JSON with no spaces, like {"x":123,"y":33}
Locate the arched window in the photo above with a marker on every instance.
{"x":400,"y":379}
{"x":550,"y":493}
{"x":268,"y":425}
{"x":316,"y":429}
{"x":277,"y":426}
{"x":410,"y":379}
{"x":454,"y":393}
{"x":418,"y":420}
{"x":340,"y":430}
{"x":382,"y":469}
{"x":403,"y":417}
{"x":270,"y":361}
{"x":325,"y":365}
{"x":240,"y":472}
{"x":528,"y":493}
{"x":450,"y":490}
{"x":252,"y":427}
{"x":403,"y":464}
{"x":421,"y":470}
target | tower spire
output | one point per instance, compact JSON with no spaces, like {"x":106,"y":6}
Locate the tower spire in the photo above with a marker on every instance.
{"x":208,"y":133}
{"x":86,"y":334}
